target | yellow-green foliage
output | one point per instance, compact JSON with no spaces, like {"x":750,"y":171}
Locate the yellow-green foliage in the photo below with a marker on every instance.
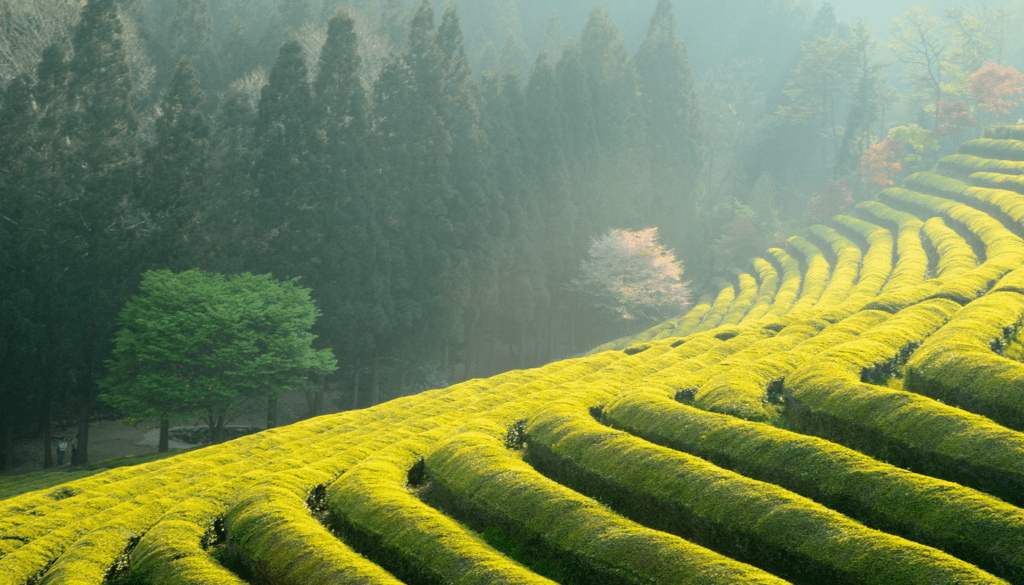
{"x":949,"y":440}
{"x":815,"y":276}
{"x":962,"y":166}
{"x":173,"y":552}
{"x":723,"y":507}
{"x":686,"y":324}
{"x":912,"y":263}
{"x":1008,"y":202}
{"x":769,"y":285}
{"x":744,"y":300}
{"x":742,"y":390}
{"x":958,"y":365}
{"x":282,"y":543}
{"x":494,"y":483}
{"x":871,"y":353}
{"x":955,"y":254}
{"x":789,"y":285}
{"x":373,"y":497}
{"x":713,"y":318}
{"x":848,"y":258}
{"x":1012,"y":282}
{"x":965,"y":522}
{"x":1013,"y":132}
{"x":998,"y":148}
{"x":998,"y":181}
{"x":877,"y":261}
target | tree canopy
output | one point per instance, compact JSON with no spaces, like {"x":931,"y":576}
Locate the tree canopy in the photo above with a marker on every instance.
{"x":199,"y":342}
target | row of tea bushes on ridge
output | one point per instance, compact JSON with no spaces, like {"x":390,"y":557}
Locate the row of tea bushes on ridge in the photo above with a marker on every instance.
{"x":848,"y":336}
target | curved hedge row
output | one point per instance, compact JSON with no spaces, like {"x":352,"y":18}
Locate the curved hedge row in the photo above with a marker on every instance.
{"x":832,"y":400}
{"x":744,"y":518}
{"x":906,"y":348}
{"x":955,"y":254}
{"x":959,"y":364}
{"x":815,"y":275}
{"x":1001,"y":148}
{"x":962,"y":521}
{"x":493,"y":483}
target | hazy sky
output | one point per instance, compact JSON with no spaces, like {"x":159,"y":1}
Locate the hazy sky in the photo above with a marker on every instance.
{"x":881,"y":12}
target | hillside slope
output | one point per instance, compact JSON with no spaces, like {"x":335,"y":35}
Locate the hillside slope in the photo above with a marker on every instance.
{"x":851,"y":412}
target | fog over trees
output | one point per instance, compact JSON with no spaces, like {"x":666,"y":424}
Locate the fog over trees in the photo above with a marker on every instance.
{"x":436,"y":174}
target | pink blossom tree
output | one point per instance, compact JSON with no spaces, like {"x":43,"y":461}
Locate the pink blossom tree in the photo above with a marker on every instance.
{"x":996,"y":88}
{"x":630,"y":273}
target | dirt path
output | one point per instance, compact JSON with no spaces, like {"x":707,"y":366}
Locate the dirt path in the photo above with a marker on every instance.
{"x":111,"y":438}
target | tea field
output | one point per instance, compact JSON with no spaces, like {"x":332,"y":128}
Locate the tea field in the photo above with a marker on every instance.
{"x":849,"y":410}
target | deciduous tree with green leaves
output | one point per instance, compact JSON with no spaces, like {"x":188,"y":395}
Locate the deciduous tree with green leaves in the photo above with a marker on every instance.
{"x":201,"y":342}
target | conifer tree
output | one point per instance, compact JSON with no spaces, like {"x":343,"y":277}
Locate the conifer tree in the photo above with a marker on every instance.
{"x":394,"y":23}
{"x":176,"y":171}
{"x":91,"y":221}
{"x":673,"y":131}
{"x":17,"y":315}
{"x":474,"y":210}
{"x":553,"y":40}
{"x":546,"y":145}
{"x":232,"y":179}
{"x":351,"y":281}
{"x":190,"y":30}
{"x":580,"y":139}
{"x":414,"y":158}
{"x":282,"y":209}
{"x":522,"y":275}
{"x":236,"y":53}
{"x":286,"y":214}
{"x":623,"y":168}
{"x":514,"y":54}
{"x":578,"y":123}
{"x":293,"y":14}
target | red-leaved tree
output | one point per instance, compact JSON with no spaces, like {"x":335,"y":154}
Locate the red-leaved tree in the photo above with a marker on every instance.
{"x":996,"y":88}
{"x":630,"y":273}
{"x":882,"y":163}
{"x":955,"y":117}
{"x":834,"y":199}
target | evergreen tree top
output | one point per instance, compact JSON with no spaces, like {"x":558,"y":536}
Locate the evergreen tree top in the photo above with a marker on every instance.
{"x":180,"y":104}
{"x":662,"y":28}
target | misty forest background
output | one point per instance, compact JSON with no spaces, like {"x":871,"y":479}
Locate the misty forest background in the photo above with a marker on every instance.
{"x":435,"y":178}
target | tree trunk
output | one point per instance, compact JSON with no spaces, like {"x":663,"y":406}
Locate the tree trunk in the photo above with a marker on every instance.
{"x":7,"y":439}
{"x":355,"y":388}
{"x":550,"y":353}
{"x":472,"y":354}
{"x":211,"y":421}
{"x":310,"y":401}
{"x":445,"y":362}
{"x":271,"y":411}
{"x":165,"y":435}
{"x":522,"y":346}
{"x":375,"y":383}
{"x":492,"y":357}
{"x":573,"y":318}
{"x":318,"y":402}
{"x":84,"y":414}
{"x":47,"y":422}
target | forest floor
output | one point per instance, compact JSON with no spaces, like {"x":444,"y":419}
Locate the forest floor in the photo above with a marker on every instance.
{"x":113,"y":438}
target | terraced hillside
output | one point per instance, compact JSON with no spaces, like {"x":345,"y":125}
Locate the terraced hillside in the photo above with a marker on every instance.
{"x":851,"y":410}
